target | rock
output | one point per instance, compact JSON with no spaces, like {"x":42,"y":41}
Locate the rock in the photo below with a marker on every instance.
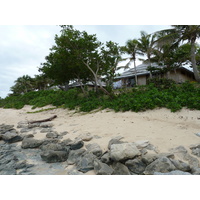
{"x":102,"y":168}
{"x":52,"y":146}
{"x":182,"y":154}
{"x":34,"y":125}
{"x":25,"y":130}
{"x":22,"y":124}
{"x":120,"y":169}
{"x":105,"y":158}
{"x":123,"y":151}
{"x":195,"y":171}
{"x":176,"y":172}
{"x":31,"y":143}
{"x":74,"y":171}
{"x":22,"y":164}
{"x":195,"y":149}
{"x":95,"y":149}
{"x":77,"y":144}
{"x":46,"y":124}
{"x":115,"y":140}
{"x":54,"y":156}
{"x":63,"y":133}
{"x":85,"y":136}
{"x":5,"y":128}
{"x":162,"y":164}
{"x":180,"y":165}
{"x":197,"y":134}
{"x":52,"y":134}
{"x":141,"y":144}
{"x":86,"y":162}
{"x":137,"y":166}
{"x":8,"y":171}
{"x":46,"y":130}
{"x":11,"y":137}
{"x":74,"y":156}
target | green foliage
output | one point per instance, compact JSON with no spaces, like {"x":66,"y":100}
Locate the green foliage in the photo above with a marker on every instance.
{"x":165,"y":94}
{"x":162,"y":83}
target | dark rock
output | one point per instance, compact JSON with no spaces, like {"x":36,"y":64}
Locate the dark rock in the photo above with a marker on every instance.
{"x":95,"y":149}
{"x":52,"y":146}
{"x":31,"y":143}
{"x":137,"y":166}
{"x":22,"y":164}
{"x":77,"y":144}
{"x":180,"y":165}
{"x":5,"y":128}
{"x":182,"y":153}
{"x":120,"y":169}
{"x":8,"y":171}
{"x":195,"y":149}
{"x":25,"y":130}
{"x":195,"y":171}
{"x":162,"y":164}
{"x":86,"y":162}
{"x":105,"y":158}
{"x":54,"y":156}
{"x":11,"y":137}
{"x":46,"y":124}
{"x":74,"y":156}
{"x":102,"y":168}
{"x":176,"y":172}
{"x":124,"y":151}
{"x":52,"y":134}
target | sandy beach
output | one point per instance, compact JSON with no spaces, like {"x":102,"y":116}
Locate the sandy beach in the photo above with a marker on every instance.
{"x":161,"y":127}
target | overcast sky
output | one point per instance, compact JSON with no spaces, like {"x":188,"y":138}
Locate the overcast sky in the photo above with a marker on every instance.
{"x":23,"y":48}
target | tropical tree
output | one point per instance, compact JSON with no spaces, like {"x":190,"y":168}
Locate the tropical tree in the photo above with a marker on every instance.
{"x":131,"y":48}
{"x":22,"y":85}
{"x":79,"y":56}
{"x":147,"y":45}
{"x":189,"y":33}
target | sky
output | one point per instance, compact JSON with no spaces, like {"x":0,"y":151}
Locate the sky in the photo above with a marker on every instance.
{"x":24,"y":47}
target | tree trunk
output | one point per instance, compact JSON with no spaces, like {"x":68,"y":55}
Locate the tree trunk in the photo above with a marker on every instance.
{"x":67,"y":86}
{"x":193,"y":60}
{"x":136,"y":80}
{"x":97,"y":80}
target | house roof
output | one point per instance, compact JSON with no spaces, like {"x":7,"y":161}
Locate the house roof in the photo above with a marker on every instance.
{"x":142,"y":70}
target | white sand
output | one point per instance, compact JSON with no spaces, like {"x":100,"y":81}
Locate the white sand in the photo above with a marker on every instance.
{"x":161,"y":127}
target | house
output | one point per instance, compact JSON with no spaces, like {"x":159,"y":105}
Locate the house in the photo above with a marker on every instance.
{"x":90,"y":85}
{"x":179,"y":75}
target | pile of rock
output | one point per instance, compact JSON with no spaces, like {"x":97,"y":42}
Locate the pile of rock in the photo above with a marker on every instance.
{"x":121,"y":157}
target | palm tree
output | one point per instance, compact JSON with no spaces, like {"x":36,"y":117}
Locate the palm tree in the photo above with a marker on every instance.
{"x":188,"y":33}
{"x":132,"y":49}
{"x":146,"y":45}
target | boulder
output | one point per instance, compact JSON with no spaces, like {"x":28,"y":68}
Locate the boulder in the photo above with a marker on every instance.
{"x":162,"y":164}
{"x":11,"y":137}
{"x":95,"y":149}
{"x":123,"y":151}
{"x":77,"y":144}
{"x":102,"y":168}
{"x":46,"y":124}
{"x":137,"y":166}
{"x":52,"y":146}
{"x":31,"y":143}
{"x":4,"y":128}
{"x":195,"y":149}
{"x":180,"y":165}
{"x":116,"y":140}
{"x":54,"y":156}
{"x":86,"y":162}
{"x":140,"y":144}
{"x":120,"y":169}
{"x":85,"y":136}
{"x":149,"y":158}
{"x":74,"y":171}
{"x":74,"y":156}
{"x":52,"y":134}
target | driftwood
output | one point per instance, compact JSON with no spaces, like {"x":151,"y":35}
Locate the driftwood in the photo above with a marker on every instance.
{"x":43,"y":120}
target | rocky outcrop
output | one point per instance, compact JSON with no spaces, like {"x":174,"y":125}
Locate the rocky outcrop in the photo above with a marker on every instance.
{"x":53,"y":155}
